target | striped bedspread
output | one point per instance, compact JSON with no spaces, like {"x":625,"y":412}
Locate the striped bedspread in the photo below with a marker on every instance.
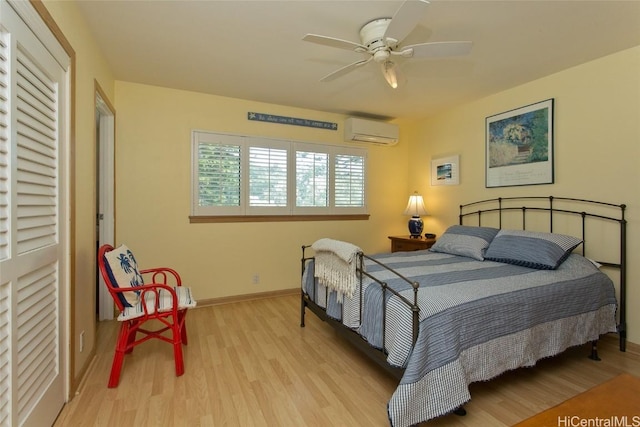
{"x":478,"y":319}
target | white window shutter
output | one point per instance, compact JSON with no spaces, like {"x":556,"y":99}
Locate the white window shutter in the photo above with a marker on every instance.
{"x":216,"y":174}
{"x":267,"y":177}
{"x":349,"y":181}
{"x":236,"y":175}
{"x":312,"y":179}
{"x":219,"y":167}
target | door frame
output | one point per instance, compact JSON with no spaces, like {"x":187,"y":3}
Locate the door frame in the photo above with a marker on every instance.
{"x":105,"y":191}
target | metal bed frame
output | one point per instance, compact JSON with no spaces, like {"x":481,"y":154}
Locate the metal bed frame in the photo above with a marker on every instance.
{"x":377,"y":355}
{"x":485,"y":208}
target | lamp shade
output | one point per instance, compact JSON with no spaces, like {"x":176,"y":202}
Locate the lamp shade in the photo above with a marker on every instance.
{"x":415,"y":207}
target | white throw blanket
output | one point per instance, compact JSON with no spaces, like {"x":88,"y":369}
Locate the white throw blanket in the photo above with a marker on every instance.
{"x":335,"y":266}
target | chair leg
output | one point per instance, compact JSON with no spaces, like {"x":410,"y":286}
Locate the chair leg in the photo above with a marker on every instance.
{"x":131,"y":337}
{"x":184,"y":335}
{"x":114,"y":377}
{"x":183,"y":328}
{"x":177,"y":348}
{"x":177,"y":354}
{"x":118,"y":357}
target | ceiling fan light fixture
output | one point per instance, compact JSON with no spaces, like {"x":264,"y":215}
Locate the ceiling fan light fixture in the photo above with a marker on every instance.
{"x":382,"y":39}
{"x":390,"y":74}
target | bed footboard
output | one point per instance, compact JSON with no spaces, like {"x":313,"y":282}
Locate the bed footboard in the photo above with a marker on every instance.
{"x":378,"y":355}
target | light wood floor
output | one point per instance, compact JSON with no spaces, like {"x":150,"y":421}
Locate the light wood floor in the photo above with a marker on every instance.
{"x":250,"y":364}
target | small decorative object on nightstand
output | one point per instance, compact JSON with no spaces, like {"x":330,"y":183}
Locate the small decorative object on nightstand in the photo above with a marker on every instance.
{"x":410,"y":243}
{"x":415,"y":208}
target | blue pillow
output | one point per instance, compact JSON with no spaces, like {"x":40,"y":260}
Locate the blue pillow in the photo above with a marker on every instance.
{"x":544,"y":251}
{"x":465,"y":240}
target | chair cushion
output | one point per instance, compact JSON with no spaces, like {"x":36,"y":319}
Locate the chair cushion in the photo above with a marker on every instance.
{"x":185,"y":300}
{"x":122,"y":269}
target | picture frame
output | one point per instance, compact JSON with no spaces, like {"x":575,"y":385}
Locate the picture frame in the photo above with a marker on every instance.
{"x":445,"y":171}
{"x":519,"y":146}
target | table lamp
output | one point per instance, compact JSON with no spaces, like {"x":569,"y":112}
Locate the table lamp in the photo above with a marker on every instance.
{"x":415,"y":208}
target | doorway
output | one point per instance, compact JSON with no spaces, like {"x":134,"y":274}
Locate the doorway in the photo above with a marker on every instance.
{"x":105,"y":193}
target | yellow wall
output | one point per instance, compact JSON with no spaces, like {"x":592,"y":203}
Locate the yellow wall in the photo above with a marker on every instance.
{"x":597,"y":105}
{"x":153,"y":184}
{"x":90,"y":67}
{"x":597,"y":148}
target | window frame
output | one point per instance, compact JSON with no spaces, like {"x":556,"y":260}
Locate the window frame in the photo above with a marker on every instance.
{"x":291,"y":212}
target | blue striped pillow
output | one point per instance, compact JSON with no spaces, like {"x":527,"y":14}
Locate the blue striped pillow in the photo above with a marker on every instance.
{"x":465,"y":240}
{"x":544,"y":251}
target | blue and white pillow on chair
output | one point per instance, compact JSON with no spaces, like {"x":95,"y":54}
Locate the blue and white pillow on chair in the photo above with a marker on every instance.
{"x":123,"y":270}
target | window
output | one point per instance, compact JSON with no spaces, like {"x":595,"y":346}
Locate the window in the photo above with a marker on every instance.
{"x":312,"y":179}
{"x":219,"y":175}
{"x":349,"y":180}
{"x":242,"y":176}
{"x":267,"y":176}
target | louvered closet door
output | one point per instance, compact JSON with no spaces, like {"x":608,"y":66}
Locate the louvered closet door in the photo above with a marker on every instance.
{"x":31,"y":250}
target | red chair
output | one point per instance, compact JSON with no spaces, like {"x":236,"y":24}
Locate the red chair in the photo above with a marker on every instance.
{"x":160,"y":298}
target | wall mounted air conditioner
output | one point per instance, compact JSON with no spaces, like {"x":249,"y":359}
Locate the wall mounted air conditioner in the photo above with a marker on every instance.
{"x":364,"y":130}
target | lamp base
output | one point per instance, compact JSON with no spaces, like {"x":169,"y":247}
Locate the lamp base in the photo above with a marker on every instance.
{"x":415,"y":226}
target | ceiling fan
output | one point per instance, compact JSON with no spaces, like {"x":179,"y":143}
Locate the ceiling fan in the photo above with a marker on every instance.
{"x":381,"y":39}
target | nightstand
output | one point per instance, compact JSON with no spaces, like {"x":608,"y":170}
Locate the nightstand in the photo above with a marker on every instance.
{"x":407,"y":243}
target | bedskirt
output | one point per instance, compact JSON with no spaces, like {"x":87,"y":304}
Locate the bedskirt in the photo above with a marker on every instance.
{"x":446,"y":388}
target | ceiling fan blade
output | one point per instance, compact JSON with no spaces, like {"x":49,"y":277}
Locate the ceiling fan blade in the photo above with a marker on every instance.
{"x":405,"y":20}
{"x":334,"y":42}
{"x":344,"y":70}
{"x":436,"y":49}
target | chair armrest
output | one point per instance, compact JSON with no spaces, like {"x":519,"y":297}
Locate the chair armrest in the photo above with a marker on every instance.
{"x":154,"y":288}
{"x":145,"y":287}
{"x":161,"y":275}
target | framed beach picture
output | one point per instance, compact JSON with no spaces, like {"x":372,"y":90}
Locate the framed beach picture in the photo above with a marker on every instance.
{"x":519,"y":146}
{"x":445,"y":171}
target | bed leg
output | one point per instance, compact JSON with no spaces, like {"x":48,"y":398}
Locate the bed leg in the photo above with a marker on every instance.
{"x":622,"y":331}
{"x":302,"y":306}
{"x":460,"y":411}
{"x":594,"y":351}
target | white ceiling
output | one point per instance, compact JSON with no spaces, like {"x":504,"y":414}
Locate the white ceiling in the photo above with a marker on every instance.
{"x":254,"y":50}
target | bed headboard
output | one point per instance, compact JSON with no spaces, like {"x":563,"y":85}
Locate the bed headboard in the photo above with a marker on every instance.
{"x":578,"y":215}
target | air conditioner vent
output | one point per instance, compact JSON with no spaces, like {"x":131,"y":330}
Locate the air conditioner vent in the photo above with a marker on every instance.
{"x":365,"y":130}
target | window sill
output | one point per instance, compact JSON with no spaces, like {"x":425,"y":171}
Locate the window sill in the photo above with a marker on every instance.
{"x":275,"y":218}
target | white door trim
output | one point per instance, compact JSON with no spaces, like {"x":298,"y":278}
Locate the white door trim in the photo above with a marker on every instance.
{"x":105,"y":138}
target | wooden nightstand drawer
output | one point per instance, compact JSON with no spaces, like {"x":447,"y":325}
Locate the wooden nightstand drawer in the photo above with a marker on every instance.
{"x":406,"y":243}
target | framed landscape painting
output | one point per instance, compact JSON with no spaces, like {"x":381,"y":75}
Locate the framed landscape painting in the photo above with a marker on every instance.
{"x":445,"y":171}
{"x":519,"y":146}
